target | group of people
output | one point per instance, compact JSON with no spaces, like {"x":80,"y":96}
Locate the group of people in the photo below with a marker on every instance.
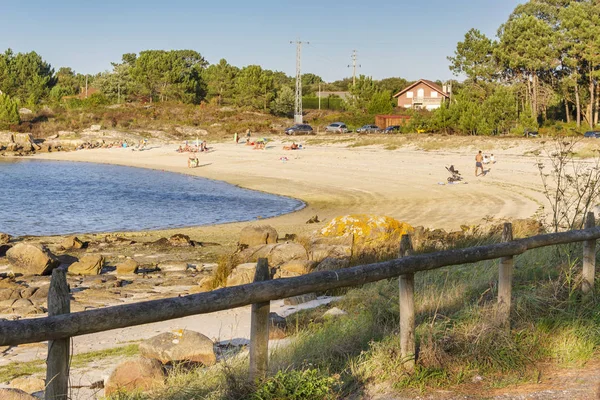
{"x":481,"y":159}
{"x":193,"y":149}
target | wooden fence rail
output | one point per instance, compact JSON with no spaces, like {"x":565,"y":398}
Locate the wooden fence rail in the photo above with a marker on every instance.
{"x":92,"y":321}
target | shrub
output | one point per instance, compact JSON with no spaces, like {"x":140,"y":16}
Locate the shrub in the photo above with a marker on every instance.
{"x":9,"y":112}
{"x":291,"y":385}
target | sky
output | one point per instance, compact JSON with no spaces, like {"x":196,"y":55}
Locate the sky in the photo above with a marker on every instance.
{"x":405,"y":38}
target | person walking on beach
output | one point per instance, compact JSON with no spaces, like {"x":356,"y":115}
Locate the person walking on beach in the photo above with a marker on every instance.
{"x":479,"y":163}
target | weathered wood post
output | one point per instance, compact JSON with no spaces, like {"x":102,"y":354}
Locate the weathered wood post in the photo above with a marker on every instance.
{"x":57,"y":363}
{"x":589,"y":257}
{"x":505,"y":275}
{"x":406,"y":285}
{"x":259,"y":328}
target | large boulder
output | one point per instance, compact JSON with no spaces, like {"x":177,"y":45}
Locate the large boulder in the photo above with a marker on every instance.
{"x":15,"y":394}
{"x":285,"y":252}
{"x":367,"y":229}
{"x":6,"y":138}
{"x":241,"y":275}
{"x":28,"y":384}
{"x":180,"y":346}
{"x":180,"y":240}
{"x":299,"y":267}
{"x":140,"y":374}
{"x":71,"y":242}
{"x":128,"y":267}
{"x":31,"y":259}
{"x":90,"y":264}
{"x":258,"y":234}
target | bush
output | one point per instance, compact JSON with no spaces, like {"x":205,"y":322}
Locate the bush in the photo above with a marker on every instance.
{"x":301,"y":385}
{"x":9,"y":112}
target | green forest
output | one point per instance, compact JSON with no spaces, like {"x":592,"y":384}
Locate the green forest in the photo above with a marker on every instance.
{"x":540,"y":72}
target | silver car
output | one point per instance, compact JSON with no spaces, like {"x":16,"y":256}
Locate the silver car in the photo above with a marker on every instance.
{"x":337,"y":127}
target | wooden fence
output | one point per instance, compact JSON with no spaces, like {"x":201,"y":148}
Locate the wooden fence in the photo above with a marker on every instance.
{"x":60,"y":325}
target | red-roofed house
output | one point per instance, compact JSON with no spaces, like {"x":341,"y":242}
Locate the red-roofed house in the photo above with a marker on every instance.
{"x":422,"y":94}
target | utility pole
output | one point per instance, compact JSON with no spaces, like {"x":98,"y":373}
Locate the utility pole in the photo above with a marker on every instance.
{"x":354,"y":67}
{"x":319,"y":95}
{"x":86,"y":80}
{"x":298,"y":107}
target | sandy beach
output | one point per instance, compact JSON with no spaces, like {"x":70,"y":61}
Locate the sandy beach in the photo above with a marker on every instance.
{"x":406,"y":183}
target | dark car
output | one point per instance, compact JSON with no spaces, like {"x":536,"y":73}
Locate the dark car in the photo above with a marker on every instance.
{"x":299,"y":129}
{"x":592,"y":134}
{"x":368,"y":129}
{"x":530,"y":133}
{"x":392,"y":129}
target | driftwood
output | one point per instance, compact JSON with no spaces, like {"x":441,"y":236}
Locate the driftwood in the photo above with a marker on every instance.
{"x":85,"y":322}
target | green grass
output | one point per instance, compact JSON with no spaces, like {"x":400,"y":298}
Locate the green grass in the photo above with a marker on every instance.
{"x":16,"y":369}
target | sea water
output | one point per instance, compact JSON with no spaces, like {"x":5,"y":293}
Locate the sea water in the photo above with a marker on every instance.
{"x":57,"y":198}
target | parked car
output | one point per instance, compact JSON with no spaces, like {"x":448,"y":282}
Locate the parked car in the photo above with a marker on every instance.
{"x":368,"y":129}
{"x":299,"y":129}
{"x":592,"y":134}
{"x":530,"y":133}
{"x":337,"y":127}
{"x":392,"y":129}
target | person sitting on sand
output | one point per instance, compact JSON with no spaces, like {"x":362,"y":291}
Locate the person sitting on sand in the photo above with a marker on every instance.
{"x":492,"y":159}
{"x":486,"y":159}
{"x":294,"y":146}
{"x":180,"y":149}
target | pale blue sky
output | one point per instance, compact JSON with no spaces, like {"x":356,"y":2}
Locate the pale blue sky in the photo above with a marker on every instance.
{"x":403,"y":38}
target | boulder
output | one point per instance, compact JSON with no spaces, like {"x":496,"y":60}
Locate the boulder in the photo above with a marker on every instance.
{"x":10,"y":294}
{"x":90,"y":264}
{"x":180,"y":346}
{"x":285,"y":252}
{"x":173,"y":266}
{"x":242,"y":274}
{"x":95,"y":128}
{"x":41,"y":293}
{"x":299,"y":267}
{"x":128,"y":267}
{"x":180,"y":240}
{"x":373,"y":230}
{"x":303,"y":298}
{"x":6,"y":138}
{"x":253,"y":253}
{"x":140,"y":374}
{"x":28,"y":384}
{"x":332,"y":264}
{"x":15,"y":394}
{"x":320,"y":251}
{"x":71,"y":242}
{"x":258,"y":234}
{"x":25,"y":111}
{"x":4,"y":238}
{"x":30,"y":259}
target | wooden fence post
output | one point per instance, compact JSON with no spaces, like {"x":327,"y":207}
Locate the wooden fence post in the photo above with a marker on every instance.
{"x":589,"y":257}
{"x":406,"y":285}
{"x":505,"y":275}
{"x":57,"y":363}
{"x":259,"y":328}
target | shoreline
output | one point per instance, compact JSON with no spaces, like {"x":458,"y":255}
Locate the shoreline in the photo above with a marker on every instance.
{"x":332,"y":180}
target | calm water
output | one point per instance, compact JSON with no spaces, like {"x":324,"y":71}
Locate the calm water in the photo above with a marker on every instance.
{"x":55,"y":198}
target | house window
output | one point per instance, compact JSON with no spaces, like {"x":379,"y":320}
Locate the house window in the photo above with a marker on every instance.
{"x":433,"y":94}
{"x":420,"y":93}
{"x":409,"y":95}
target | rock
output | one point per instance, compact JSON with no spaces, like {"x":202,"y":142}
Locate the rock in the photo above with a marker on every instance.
{"x":71,"y":242}
{"x":285,"y":252}
{"x":173,"y":266}
{"x":127,"y":267}
{"x":30,"y":259}
{"x":275,"y":320}
{"x":180,"y":240}
{"x":9,"y":294}
{"x":319,"y":252}
{"x":28,"y":292}
{"x":4,"y":238}
{"x":180,"y":346}
{"x":299,"y":267}
{"x":140,"y":374}
{"x":28,"y":384}
{"x":95,"y":128}
{"x":334,"y":312}
{"x":41,"y":293}
{"x":258,"y":234}
{"x":332,"y":264}
{"x":303,"y":298}
{"x":6,"y":138}
{"x":15,"y":394}
{"x":90,"y":264}
{"x":373,"y":230}
{"x":242,"y":274}
{"x":280,"y":273}
{"x":25,"y":111}
{"x":4,"y":249}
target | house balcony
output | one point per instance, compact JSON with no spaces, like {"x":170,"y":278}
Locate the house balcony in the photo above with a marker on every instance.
{"x":425,"y":101}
